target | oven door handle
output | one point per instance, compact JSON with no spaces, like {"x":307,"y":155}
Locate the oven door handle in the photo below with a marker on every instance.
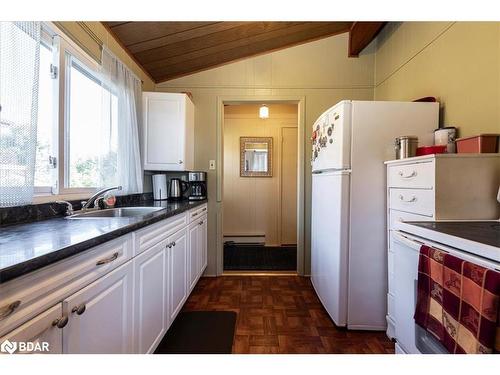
{"x":413,"y":244}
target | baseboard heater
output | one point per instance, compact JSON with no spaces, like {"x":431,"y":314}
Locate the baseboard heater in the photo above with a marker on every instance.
{"x":245,"y":239}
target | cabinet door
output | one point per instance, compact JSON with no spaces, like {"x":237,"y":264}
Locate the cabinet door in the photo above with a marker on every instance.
{"x":41,"y":334}
{"x":202,"y":245}
{"x":100,"y":315}
{"x":164,"y":136}
{"x":177,"y":272}
{"x":193,"y":254}
{"x":150,"y":298}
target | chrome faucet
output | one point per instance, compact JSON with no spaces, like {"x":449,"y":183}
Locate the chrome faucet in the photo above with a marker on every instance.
{"x":86,"y":204}
{"x":69,"y":207}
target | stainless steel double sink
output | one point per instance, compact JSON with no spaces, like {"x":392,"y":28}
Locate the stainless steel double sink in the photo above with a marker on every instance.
{"x":115,"y":212}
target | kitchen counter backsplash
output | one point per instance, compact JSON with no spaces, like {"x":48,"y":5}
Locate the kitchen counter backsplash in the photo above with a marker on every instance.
{"x":43,"y":211}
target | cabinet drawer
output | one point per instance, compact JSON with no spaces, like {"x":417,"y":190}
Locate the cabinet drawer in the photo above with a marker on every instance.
{"x":151,"y":235}
{"x":415,"y":175}
{"x":396,"y":216}
{"x":49,"y":285}
{"x":412,"y":201}
{"x":197,"y":212}
{"x":41,"y":331}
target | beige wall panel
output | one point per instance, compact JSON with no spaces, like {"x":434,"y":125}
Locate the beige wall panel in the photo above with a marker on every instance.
{"x":322,"y":64}
{"x":400,"y":41}
{"x":289,"y":159}
{"x":460,"y":66}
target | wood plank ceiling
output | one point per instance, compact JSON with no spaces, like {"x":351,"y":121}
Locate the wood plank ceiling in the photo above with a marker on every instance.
{"x":168,"y":50}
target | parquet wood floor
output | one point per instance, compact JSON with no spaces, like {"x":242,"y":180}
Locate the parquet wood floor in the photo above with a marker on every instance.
{"x":281,"y":314}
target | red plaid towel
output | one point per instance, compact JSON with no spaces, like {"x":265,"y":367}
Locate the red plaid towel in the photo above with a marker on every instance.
{"x":458,"y":302}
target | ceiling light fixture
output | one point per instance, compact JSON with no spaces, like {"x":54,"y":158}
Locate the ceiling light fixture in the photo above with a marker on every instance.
{"x":264,"y":111}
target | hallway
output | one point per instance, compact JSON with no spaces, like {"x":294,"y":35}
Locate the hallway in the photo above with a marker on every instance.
{"x":281,"y":314}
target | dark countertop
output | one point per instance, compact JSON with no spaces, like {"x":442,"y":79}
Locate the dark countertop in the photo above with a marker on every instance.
{"x":484,"y":232}
{"x":27,"y":247}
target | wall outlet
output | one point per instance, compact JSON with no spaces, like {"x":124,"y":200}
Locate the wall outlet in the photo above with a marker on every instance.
{"x":211,"y":164}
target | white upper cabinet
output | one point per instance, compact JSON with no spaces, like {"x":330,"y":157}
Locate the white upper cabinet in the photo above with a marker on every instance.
{"x":168,"y":131}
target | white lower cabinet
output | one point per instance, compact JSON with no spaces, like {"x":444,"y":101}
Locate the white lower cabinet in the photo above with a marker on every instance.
{"x":150,"y":297}
{"x":100,"y":315}
{"x":202,"y":244}
{"x":178,"y":272}
{"x":193,"y":254}
{"x":43,"y":333}
{"x":197,"y":254}
{"x":130,"y":307}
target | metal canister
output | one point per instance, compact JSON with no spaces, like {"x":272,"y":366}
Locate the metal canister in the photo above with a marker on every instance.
{"x":406,"y":146}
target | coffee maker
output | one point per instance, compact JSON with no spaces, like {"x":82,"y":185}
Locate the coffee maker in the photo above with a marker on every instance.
{"x":198,"y":186}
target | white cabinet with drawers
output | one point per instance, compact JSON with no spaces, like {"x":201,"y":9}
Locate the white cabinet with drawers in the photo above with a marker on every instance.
{"x":119,"y":297}
{"x":438,"y":187}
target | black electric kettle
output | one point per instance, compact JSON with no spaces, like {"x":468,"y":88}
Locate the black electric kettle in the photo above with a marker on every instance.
{"x":177,"y":189}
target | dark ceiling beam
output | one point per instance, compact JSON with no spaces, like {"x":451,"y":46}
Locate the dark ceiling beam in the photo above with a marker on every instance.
{"x":361,"y":34}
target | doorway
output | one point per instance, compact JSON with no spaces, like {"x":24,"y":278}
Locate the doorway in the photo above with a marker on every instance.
{"x":260,"y":187}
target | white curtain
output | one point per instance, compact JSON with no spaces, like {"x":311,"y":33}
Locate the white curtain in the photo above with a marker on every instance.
{"x":127,"y":88}
{"x":19,"y":76}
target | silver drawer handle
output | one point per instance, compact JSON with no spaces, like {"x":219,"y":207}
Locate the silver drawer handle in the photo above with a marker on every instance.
{"x":9,"y":309}
{"x":108,"y":260}
{"x":80,"y":309}
{"x":402,"y":199}
{"x":411,"y":175}
{"x":61,"y":322}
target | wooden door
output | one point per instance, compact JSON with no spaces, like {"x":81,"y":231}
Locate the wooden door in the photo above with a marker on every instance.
{"x":39,"y":331}
{"x":289,"y":186}
{"x":178,"y":270}
{"x":150,"y":287}
{"x":100,"y":315}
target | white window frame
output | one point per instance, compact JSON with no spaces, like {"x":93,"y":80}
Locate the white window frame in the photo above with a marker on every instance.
{"x":61,"y":47}
{"x":47,"y":38}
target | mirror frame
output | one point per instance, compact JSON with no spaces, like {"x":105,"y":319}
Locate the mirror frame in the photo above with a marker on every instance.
{"x":269,"y":141}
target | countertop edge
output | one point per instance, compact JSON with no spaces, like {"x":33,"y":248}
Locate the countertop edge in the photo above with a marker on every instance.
{"x":20,"y":269}
{"x":459,"y":243}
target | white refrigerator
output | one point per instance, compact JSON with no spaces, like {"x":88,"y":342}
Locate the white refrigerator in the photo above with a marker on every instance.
{"x":351,"y":141}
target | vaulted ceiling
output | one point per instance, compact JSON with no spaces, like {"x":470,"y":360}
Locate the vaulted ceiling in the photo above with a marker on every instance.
{"x":167,"y":50}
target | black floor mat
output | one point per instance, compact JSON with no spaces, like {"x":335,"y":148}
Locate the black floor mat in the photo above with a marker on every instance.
{"x":245,"y":257}
{"x":200,"y":332}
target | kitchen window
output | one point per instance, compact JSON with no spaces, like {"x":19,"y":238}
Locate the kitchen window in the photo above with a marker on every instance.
{"x":91,"y":131}
{"x":76,"y":146}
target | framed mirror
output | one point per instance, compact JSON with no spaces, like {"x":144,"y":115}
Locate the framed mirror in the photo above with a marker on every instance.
{"x":256,"y":156}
